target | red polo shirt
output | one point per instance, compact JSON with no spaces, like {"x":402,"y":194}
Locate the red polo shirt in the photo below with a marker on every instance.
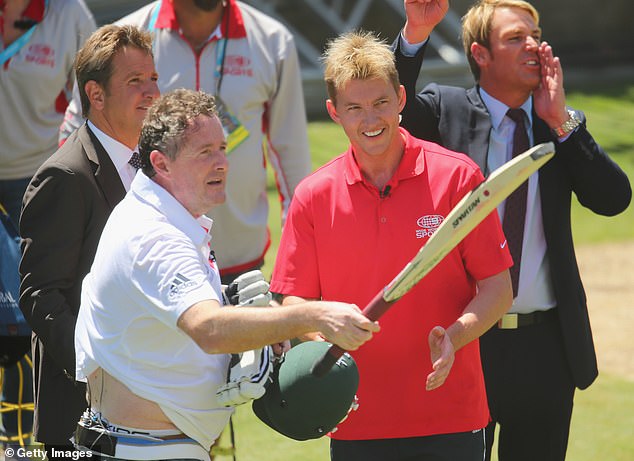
{"x":343,"y":241}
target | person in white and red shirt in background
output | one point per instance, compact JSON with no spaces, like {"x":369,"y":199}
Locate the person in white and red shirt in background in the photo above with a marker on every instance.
{"x":39,"y":42}
{"x":39,"y":39}
{"x":249,"y":62}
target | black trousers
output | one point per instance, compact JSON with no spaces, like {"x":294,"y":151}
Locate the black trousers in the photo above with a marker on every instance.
{"x":530,"y":392}
{"x":461,"y":446}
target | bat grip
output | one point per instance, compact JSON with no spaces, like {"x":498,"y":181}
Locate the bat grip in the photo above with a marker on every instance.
{"x":373,"y":310}
{"x":321,"y":366}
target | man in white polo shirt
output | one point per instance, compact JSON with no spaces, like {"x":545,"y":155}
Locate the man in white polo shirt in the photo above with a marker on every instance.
{"x":66,"y":206}
{"x":152,"y":340}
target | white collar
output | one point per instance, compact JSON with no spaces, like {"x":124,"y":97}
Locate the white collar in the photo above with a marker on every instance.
{"x":148,"y":191}
{"x":498,"y":109}
{"x":119,"y":153}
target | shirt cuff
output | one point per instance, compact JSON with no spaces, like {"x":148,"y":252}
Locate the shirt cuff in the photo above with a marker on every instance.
{"x":410,"y":49}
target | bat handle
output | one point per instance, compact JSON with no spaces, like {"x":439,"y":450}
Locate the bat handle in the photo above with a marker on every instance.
{"x":321,"y":366}
{"x":375,"y":309}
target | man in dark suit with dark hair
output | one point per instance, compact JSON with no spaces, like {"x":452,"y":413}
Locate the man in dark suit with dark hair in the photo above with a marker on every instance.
{"x":65,"y":208}
{"x":542,"y":350}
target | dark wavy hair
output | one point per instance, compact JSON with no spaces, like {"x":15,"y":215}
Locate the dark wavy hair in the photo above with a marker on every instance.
{"x":166,"y":121}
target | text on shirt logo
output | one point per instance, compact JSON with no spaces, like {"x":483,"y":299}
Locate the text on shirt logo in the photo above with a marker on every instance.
{"x":429,"y":224}
{"x":237,"y":65}
{"x":179,"y":286}
{"x":41,"y":54}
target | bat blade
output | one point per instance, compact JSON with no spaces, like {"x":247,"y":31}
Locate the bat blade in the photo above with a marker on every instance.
{"x":470,"y":211}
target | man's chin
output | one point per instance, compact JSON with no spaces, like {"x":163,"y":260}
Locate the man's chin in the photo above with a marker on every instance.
{"x":217,"y":200}
{"x":207,"y":5}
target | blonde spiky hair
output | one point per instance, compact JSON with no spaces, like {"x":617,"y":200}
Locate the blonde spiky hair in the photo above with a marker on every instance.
{"x":357,"y":55}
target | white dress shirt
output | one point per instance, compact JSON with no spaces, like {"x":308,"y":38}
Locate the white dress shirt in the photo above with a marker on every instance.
{"x":535,"y":290}
{"x":119,"y":153}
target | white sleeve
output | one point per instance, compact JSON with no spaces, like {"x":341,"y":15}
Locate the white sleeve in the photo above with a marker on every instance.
{"x":171,"y":274}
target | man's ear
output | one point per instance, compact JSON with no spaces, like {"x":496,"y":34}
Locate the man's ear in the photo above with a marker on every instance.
{"x":159,"y":162}
{"x":96,"y":94}
{"x":332,"y":111}
{"x":480,"y":53}
{"x":402,"y":97}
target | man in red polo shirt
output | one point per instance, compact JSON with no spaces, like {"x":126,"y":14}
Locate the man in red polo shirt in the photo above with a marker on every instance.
{"x":353,"y":225}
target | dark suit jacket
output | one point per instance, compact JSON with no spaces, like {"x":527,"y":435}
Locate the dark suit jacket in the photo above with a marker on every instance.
{"x":458,"y":119}
{"x":65,"y":208}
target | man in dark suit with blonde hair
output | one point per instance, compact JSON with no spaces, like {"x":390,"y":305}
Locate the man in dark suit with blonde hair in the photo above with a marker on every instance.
{"x":65,"y":208}
{"x":539,"y":352}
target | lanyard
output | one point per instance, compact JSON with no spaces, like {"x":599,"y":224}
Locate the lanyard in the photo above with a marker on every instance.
{"x":221,"y":47}
{"x":12,"y":49}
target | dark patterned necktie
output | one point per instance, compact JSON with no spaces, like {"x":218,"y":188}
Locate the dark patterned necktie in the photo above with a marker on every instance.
{"x":515,"y":207}
{"x":135,"y":161}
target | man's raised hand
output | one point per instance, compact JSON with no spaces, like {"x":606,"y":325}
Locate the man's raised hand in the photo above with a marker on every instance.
{"x":422,"y":17}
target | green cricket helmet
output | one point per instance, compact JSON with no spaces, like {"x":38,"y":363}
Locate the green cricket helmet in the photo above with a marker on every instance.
{"x":302,"y":406}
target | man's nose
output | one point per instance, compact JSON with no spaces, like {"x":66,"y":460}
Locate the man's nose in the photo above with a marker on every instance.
{"x":532,"y":42}
{"x":151,"y":89}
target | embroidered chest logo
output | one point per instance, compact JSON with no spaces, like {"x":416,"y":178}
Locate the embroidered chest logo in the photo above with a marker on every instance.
{"x":237,"y":66}
{"x":40,"y":54}
{"x":428,"y":225}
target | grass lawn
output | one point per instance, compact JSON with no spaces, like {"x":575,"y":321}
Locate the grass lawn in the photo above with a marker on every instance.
{"x":602,"y":430}
{"x":603,"y":419}
{"x":610,"y":114}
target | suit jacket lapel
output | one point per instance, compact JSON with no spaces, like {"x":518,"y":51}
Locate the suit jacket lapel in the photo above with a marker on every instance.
{"x":479,"y":130}
{"x":106,"y":174}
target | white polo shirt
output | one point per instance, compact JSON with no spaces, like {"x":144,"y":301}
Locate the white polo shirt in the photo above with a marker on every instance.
{"x":151,"y":265}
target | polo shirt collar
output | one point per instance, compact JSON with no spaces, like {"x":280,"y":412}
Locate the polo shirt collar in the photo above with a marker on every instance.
{"x":412,"y":163}
{"x":166,"y":19}
{"x":148,"y":191}
{"x":34,"y":10}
